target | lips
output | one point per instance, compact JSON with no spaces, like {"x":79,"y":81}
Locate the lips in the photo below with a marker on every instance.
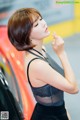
{"x":46,"y":30}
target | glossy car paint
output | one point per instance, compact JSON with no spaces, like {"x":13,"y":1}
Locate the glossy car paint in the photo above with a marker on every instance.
{"x":12,"y":62}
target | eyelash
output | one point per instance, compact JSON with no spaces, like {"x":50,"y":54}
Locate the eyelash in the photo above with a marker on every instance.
{"x":37,"y":23}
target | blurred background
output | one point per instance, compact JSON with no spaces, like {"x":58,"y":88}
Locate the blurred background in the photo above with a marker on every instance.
{"x":62,"y":18}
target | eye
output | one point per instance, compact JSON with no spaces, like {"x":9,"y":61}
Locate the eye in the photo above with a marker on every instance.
{"x":37,"y":22}
{"x":36,"y":25}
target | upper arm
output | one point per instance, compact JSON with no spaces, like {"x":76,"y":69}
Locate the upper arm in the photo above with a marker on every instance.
{"x":44,"y":72}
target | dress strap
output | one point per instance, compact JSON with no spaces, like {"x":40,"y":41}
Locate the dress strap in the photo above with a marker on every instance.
{"x":28,"y":68}
{"x":40,"y":55}
{"x":34,"y":54}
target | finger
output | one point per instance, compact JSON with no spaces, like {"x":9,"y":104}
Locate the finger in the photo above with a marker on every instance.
{"x":55,"y":35}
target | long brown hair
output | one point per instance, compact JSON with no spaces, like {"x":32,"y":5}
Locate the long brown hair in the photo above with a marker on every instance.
{"x":19,"y":28}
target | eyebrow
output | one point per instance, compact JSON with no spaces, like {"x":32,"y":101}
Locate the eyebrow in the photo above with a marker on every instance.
{"x":36,"y":19}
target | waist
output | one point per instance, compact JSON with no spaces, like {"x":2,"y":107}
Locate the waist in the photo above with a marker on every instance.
{"x":54,"y":100}
{"x":50,"y":109}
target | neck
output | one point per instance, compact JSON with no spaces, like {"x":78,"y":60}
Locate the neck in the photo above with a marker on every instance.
{"x":37,"y":51}
{"x":39,"y":46}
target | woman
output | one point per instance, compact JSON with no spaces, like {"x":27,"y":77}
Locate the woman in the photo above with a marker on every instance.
{"x":26,"y":31}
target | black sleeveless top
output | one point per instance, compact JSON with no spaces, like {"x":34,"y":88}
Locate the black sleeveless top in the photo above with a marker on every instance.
{"x":47,"y":94}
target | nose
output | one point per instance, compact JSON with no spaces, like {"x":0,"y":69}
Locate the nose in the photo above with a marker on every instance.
{"x":44,"y":23}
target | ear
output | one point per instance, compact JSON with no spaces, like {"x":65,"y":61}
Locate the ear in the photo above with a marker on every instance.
{"x":33,"y":43}
{"x":31,"y":39}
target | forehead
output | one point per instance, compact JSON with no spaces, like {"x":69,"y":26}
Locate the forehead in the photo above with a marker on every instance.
{"x":35,"y":17}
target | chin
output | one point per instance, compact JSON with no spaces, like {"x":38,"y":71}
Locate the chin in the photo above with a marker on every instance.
{"x":48,"y":34}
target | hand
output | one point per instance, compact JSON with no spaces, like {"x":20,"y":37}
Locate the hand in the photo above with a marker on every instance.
{"x":58,"y":44}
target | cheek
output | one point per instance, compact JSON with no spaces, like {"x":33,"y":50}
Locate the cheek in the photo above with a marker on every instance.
{"x":35,"y":34}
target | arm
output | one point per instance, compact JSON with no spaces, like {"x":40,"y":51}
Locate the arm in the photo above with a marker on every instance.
{"x":58,"y":47}
{"x":43,"y":72}
{"x":69,"y":75}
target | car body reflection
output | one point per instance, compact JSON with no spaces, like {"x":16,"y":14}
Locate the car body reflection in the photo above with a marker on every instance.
{"x":12,"y":66}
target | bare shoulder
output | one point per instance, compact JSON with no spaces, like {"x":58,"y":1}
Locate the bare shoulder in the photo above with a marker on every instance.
{"x":42,"y":71}
{"x":37,"y":65}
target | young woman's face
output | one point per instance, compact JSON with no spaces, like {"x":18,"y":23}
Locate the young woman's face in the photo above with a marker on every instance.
{"x":39,"y":29}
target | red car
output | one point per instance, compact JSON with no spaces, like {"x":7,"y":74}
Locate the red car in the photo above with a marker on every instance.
{"x":12,"y":66}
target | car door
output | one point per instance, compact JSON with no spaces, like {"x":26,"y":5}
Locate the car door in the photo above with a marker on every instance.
{"x":9,"y":107}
